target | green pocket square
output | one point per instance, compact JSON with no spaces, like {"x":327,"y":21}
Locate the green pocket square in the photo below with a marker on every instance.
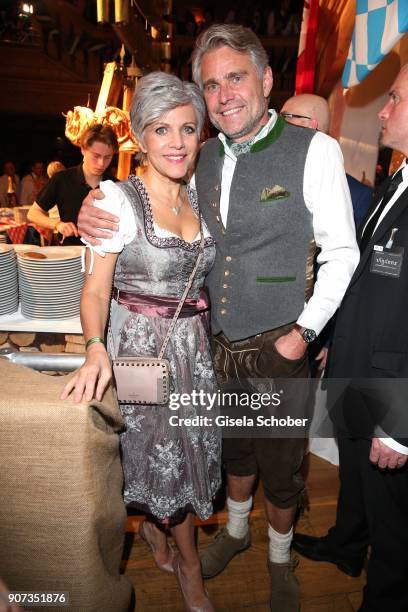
{"x":269,"y":194}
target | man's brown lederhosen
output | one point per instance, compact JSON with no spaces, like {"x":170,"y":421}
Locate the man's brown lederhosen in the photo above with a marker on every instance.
{"x":277,"y":460}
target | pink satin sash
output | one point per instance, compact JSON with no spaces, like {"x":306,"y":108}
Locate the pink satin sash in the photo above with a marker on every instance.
{"x":159,"y":305}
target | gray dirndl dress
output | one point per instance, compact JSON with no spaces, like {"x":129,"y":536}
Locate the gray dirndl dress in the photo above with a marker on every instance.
{"x":168,"y":470}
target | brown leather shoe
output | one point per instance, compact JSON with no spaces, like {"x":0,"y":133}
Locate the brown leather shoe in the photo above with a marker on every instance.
{"x":285,"y":596}
{"x":219,"y":553}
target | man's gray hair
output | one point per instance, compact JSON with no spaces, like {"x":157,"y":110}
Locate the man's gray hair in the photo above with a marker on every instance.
{"x":158,"y":93}
{"x":235,"y":36}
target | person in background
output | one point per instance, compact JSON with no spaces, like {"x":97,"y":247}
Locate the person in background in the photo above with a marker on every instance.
{"x":369,"y":351}
{"x":54,"y":167}
{"x":67,"y":188}
{"x":32,"y":183}
{"x":307,"y":110}
{"x":311,"y":111}
{"x":9,"y":184}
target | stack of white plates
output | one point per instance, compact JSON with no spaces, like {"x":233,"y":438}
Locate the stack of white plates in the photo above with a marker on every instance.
{"x":3,"y":238}
{"x":50,"y":281}
{"x":9,"y":281}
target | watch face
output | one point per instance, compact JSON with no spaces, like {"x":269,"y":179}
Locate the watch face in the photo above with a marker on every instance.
{"x":309,"y":335}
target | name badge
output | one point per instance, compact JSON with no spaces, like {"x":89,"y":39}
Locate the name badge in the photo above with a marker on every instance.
{"x":387,"y":262}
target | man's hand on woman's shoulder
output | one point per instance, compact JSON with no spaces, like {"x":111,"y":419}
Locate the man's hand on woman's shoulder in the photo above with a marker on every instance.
{"x":93,"y":221}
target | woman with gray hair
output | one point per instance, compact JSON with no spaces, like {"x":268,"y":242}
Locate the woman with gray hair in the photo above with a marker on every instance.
{"x":172,"y":470}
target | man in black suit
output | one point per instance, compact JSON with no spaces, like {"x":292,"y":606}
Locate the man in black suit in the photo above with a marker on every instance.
{"x":370,"y":348}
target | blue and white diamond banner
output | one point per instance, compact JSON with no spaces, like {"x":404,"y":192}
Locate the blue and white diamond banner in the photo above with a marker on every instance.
{"x":378,"y":27}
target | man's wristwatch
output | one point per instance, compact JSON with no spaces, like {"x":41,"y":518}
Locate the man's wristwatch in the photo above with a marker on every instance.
{"x":308,"y":335}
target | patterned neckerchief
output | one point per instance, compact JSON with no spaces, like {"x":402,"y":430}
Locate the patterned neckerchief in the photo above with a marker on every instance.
{"x":238,"y":148}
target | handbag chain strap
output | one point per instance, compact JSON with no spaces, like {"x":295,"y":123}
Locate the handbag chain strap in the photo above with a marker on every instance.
{"x":185,"y":293}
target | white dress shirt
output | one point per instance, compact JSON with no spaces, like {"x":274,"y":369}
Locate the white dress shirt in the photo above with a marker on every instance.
{"x":391,"y":443}
{"x":401,"y":187}
{"x":327,"y":197}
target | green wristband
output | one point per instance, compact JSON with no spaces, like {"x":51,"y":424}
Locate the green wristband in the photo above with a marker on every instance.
{"x":93,"y":341}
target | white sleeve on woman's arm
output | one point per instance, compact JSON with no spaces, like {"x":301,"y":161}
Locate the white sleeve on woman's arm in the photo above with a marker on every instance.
{"x":114,"y":202}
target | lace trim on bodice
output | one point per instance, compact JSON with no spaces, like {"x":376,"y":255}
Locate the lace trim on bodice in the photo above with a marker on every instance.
{"x":171,"y":241}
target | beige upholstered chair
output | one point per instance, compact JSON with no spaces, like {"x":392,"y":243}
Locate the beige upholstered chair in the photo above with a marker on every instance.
{"x":62,"y":517}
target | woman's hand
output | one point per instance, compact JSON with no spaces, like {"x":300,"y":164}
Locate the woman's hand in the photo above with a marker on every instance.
{"x":92,"y":379}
